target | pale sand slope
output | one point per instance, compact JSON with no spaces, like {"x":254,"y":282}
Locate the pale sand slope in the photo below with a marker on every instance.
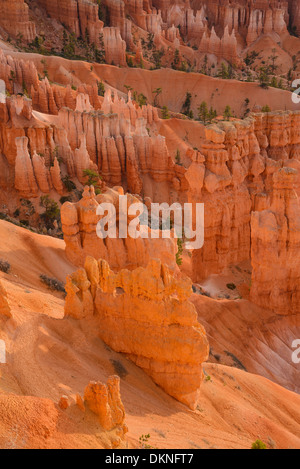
{"x":216,"y":92}
{"x":48,"y":356}
{"x":260,"y":340}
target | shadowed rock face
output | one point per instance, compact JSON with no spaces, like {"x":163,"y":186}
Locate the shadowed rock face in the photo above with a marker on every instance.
{"x":275,"y":235}
{"x":294,"y":9}
{"x":162,"y":335}
{"x":14,"y":19}
{"x":80,"y":17}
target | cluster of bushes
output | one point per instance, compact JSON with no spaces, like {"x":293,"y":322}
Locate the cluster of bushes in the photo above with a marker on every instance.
{"x":4,"y":266}
{"x":50,"y":218}
{"x":52,"y":283}
{"x":205,"y":115}
{"x":73,"y":48}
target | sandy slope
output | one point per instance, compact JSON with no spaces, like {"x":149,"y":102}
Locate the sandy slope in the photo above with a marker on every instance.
{"x":260,"y":340}
{"x":216,"y":92}
{"x":48,"y":356}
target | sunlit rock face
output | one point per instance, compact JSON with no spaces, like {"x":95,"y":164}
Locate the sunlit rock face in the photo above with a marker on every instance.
{"x":163,"y":336}
{"x":79,"y":222}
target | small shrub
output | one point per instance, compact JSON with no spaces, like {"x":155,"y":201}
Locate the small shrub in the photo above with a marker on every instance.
{"x":165,"y":113}
{"x":101,"y":88}
{"x":69,"y":185}
{"x":129,"y":61}
{"x":178,"y":158}
{"x":30,"y":210}
{"x":24,"y":222}
{"x":144,"y":439}
{"x":231,"y":286}
{"x":157,"y":92}
{"x":4,"y":266}
{"x":93,"y":179}
{"x":207,"y":294}
{"x":119,"y":368}
{"x":258,"y":444}
{"x":186,"y":107}
{"x":179,"y":252}
{"x":52,"y":211}
{"x":227,"y":113}
{"x":142,"y":100}
{"x":266,"y":109}
{"x":53,"y":283}
{"x":236,"y":362}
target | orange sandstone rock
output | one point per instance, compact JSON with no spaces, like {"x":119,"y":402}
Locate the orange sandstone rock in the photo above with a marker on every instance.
{"x":79,"y":224}
{"x":25,"y":181}
{"x":22,"y":72}
{"x":63,"y":403}
{"x":4,"y":305}
{"x":105,"y":401}
{"x":79,"y":300}
{"x":163,"y":336}
{"x":80,"y":402}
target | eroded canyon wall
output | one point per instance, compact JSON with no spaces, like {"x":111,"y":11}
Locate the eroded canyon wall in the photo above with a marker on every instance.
{"x":230,"y":170}
{"x":240,"y":160}
{"x":196,"y":28}
{"x":275,"y":236}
